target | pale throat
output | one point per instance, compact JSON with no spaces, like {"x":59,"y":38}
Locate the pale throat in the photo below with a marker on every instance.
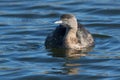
{"x":71,"y":30}
{"x":70,"y":33}
{"x":70,"y":37}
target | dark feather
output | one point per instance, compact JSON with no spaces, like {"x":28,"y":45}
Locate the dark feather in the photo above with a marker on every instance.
{"x":55,"y":40}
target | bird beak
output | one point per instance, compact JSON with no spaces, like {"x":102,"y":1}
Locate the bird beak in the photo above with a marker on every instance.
{"x":58,"y":22}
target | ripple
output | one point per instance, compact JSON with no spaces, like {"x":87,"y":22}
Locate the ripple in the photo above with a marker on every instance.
{"x":3,"y":60}
{"x":101,"y":36}
{"x":76,"y":2}
{"x":25,"y":24}
{"x":107,"y":12}
{"x":3,"y":24}
{"x":38,"y":59}
{"x":23,"y":47}
{"x":22,"y":15}
{"x":20,"y":32}
{"x":37,"y":77}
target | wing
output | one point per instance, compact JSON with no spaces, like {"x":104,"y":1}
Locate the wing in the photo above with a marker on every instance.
{"x":84,"y":36}
{"x":55,"y":38}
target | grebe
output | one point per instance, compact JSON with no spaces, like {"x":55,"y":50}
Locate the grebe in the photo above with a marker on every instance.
{"x":69,"y":35}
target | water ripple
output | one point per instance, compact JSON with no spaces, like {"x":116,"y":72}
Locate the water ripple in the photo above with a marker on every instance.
{"x":24,"y":26}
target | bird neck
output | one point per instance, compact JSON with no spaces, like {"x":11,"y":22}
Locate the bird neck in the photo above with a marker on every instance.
{"x":70,"y":33}
{"x":70,"y":37}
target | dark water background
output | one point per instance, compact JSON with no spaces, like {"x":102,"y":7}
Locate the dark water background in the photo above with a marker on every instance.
{"x":24,"y":25}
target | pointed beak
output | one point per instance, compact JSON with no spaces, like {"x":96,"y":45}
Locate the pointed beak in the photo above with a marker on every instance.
{"x":58,"y":22}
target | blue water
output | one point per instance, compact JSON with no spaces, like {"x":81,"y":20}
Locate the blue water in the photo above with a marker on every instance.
{"x":24,"y":25}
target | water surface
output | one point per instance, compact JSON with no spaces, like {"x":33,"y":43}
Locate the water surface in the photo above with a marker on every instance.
{"x":24,"y":25}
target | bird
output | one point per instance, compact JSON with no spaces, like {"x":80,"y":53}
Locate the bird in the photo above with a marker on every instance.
{"x":70,"y":34}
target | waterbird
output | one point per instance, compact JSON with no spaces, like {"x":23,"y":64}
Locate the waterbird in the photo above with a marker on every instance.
{"x":70,"y":34}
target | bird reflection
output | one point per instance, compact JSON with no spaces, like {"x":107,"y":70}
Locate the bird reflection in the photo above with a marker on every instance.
{"x":70,"y":66}
{"x":69,"y":53}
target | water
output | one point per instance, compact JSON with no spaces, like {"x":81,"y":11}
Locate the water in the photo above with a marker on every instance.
{"x":24,"y":25}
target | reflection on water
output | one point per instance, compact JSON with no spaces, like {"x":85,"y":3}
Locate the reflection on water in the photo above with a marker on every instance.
{"x":24,"y":26}
{"x":69,"y":53}
{"x":69,"y":67}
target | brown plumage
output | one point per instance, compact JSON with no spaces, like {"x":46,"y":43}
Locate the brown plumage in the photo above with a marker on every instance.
{"x":69,"y":34}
